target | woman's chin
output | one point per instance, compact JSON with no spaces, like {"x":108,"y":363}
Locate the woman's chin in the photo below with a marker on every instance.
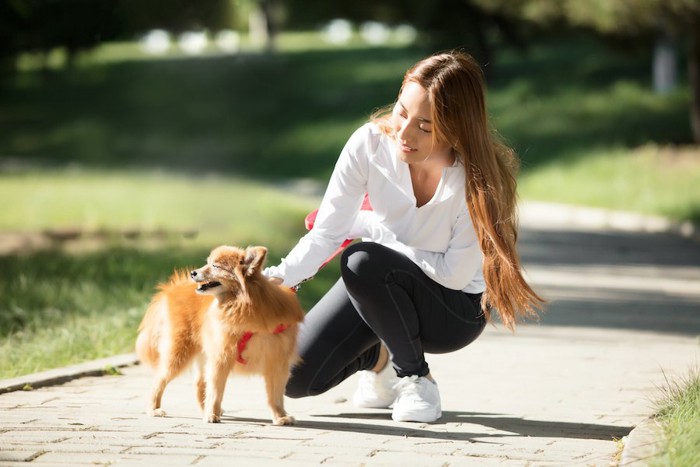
{"x":408,"y":156}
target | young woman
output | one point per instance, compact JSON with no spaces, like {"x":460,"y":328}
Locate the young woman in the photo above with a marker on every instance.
{"x":438,"y":250}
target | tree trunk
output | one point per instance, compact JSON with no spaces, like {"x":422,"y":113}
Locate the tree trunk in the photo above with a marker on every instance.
{"x":664,"y":64}
{"x":263,"y":26}
{"x":694,"y":78}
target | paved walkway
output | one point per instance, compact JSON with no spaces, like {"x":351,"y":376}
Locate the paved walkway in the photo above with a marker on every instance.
{"x":624,"y":315}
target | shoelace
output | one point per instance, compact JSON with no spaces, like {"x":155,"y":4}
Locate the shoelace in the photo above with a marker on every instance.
{"x":408,"y":386}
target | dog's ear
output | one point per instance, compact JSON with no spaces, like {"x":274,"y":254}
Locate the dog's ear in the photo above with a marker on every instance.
{"x":254,"y":259}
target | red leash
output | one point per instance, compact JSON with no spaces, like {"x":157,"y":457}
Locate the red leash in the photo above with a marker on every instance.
{"x":310,"y":220}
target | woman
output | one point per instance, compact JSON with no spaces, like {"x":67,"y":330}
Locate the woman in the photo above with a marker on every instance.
{"x":439,"y":245}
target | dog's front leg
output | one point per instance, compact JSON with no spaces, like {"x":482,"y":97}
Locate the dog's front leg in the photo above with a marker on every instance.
{"x":217,"y":371}
{"x":199,"y":382}
{"x":275,"y":383}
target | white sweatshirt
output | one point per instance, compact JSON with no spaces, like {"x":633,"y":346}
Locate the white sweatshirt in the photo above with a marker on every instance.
{"x":439,"y":236}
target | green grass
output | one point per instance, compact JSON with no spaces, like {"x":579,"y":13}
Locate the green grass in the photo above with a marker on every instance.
{"x":147,"y":200}
{"x":84,"y":299}
{"x":590,"y":131}
{"x":679,"y":414}
{"x":651,"y":180}
{"x":286,"y":115}
{"x":568,"y":104}
{"x":60,"y":309}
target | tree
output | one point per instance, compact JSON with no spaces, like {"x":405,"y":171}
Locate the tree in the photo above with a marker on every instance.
{"x":264,"y":23}
{"x":39,"y":26}
{"x":621,"y":18}
{"x":42,"y":25}
{"x":444,"y":24}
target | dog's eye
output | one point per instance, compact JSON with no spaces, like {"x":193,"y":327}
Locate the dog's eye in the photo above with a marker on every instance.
{"x":216,"y":266}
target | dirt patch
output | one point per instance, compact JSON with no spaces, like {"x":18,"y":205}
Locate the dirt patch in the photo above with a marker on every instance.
{"x":672,"y":157}
{"x":76,"y":240}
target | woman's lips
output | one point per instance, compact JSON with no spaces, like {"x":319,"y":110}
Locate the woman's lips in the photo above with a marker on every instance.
{"x":405,"y":148}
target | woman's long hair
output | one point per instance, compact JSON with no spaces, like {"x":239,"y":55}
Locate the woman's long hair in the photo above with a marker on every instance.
{"x":456,"y":89}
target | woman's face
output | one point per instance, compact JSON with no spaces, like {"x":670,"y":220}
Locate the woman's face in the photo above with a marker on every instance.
{"x":413,"y":127}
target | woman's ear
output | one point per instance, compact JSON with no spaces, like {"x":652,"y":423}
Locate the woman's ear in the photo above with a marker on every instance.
{"x":254,"y":259}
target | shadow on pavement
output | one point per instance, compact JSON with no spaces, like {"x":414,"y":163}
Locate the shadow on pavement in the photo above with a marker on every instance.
{"x":615,"y":279}
{"x":508,"y":426}
{"x":539,"y":428}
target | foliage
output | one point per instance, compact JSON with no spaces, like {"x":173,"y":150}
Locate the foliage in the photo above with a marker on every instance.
{"x":636,"y":19}
{"x":615,"y":17}
{"x":79,"y":25}
{"x":565,"y":105}
{"x":443,"y":24}
{"x":276,"y":116}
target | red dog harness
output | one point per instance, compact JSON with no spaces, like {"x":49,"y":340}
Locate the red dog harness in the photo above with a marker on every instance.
{"x":243,"y":342}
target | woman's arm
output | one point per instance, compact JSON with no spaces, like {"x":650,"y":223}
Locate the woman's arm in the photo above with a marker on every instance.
{"x":336,"y":214}
{"x":454,"y":268}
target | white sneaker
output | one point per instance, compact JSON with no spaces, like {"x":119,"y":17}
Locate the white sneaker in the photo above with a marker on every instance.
{"x":418,"y":400}
{"x":376,"y":390}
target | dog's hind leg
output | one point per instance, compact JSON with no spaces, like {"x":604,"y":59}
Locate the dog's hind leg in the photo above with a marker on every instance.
{"x":170,"y":366}
{"x":275,"y":383}
{"x":163,"y":377}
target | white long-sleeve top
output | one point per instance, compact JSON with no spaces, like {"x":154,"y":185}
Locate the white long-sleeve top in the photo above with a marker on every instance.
{"x":439,"y":236}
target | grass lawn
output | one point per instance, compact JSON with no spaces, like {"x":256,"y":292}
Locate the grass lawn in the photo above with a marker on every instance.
{"x":83,"y":299}
{"x":126,"y":144}
{"x":679,"y":412}
{"x":577,"y":113}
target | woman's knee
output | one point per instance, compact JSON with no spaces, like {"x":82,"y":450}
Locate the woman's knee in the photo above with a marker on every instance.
{"x":295,"y":391}
{"x":299,"y":386}
{"x":364,"y":261}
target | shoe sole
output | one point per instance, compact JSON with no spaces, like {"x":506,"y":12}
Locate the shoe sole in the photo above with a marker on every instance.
{"x":420,"y":419}
{"x":378,"y":405}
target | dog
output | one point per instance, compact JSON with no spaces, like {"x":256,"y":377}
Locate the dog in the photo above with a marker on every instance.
{"x":225,"y":317}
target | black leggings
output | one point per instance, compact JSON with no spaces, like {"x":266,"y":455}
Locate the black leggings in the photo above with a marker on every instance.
{"x":382,"y":296}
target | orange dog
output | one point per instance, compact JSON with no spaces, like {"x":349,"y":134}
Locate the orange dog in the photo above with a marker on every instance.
{"x":230,"y":319}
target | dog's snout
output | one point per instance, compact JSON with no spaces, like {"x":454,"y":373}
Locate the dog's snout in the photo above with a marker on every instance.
{"x":193,"y":274}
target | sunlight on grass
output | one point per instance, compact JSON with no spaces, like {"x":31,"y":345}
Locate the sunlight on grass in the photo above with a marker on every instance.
{"x":61,"y":306}
{"x":76,"y":339}
{"x":646,"y":181}
{"x":91,"y":200}
{"x":565,"y":106}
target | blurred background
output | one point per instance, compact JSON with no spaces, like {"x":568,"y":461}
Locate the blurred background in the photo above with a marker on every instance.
{"x":136,"y":135}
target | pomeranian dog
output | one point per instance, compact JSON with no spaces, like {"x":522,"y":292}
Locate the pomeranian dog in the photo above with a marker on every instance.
{"x":225,"y":317}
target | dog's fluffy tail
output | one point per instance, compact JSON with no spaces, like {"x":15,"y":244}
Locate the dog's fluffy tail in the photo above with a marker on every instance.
{"x":149,"y":331}
{"x":155,"y":320}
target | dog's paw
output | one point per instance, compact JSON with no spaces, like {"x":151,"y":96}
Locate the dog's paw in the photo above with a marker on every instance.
{"x":212,"y":418}
{"x":156,"y":412}
{"x":282,"y":421}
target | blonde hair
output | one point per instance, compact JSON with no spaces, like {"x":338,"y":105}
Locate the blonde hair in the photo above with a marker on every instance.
{"x":456,"y":89}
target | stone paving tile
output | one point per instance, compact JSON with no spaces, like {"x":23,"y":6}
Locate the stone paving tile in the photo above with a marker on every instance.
{"x":500,"y":407}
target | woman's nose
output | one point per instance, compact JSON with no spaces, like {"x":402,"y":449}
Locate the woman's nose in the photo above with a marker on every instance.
{"x":403,"y":131}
